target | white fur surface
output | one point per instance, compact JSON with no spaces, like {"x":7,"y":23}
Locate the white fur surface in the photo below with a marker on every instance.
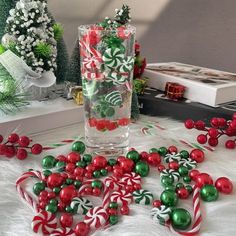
{"x":219,"y":218}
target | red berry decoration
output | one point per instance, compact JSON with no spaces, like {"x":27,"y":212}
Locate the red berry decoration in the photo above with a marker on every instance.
{"x":220,"y":127}
{"x":193,"y":174}
{"x":73,"y":157}
{"x":224,"y":185}
{"x":124,"y":210}
{"x":24,"y":141}
{"x":81,"y":229}
{"x":13,"y":138}
{"x":183,"y":193}
{"x":36,"y":149}
{"x":21,"y":154}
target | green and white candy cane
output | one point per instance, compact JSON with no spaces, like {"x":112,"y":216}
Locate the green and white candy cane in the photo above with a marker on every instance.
{"x":80,"y":205}
{"x":170,"y":172}
{"x":127,"y":65}
{"x":161,"y":215}
{"x":172,"y":157}
{"x":117,"y":78}
{"x":114,"y":98}
{"x":189,"y":163}
{"x":113,"y":57}
{"x":143,"y":197}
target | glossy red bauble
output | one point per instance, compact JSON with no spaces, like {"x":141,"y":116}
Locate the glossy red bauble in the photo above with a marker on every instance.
{"x":172,"y":149}
{"x":213,"y":132}
{"x":67,"y":193}
{"x":81,"y":229}
{"x":13,"y":138}
{"x":99,"y":162}
{"x":117,"y":171}
{"x":197,"y":155}
{"x":124,"y":210}
{"x":202,"y":138}
{"x":193,"y":174}
{"x":203,"y":179}
{"x":127,"y":165}
{"x":224,"y":185}
{"x":156,"y":203}
{"x":154,"y":159}
{"x":24,"y":141}
{"x":173,"y":165}
{"x":36,"y":149}
{"x":73,"y":157}
{"x":79,"y":171}
{"x":213,"y":142}
{"x":70,"y":168}
{"x":66,"y":220}
{"x":21,"y":154}
{"x":161,"y":167}
{"x":144,"y":155}
{"x":61,"y":158}
{"x":183,"y":193}
{"x":96,"y":191}
{"x":200,"y":125}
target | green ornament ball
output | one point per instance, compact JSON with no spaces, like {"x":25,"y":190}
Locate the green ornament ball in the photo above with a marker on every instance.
{"x":60,"y":165}
{"x":110,"y":111}
{"x":49,"y":162}
{"x":53,"y":201}
{"x":153,"y":150}
{"x":96,"y":184}
{"x":56,"y":190}
{"x":209,"y":193}
{"x":69,"y":209}
{"x":167,"y":180}
{"x":87,"y":158}
{"x":179,"y":185}
{"x":112,"y":162}
{"x":142,"y":168}
{"x":170,"y":187}
{"x":77,"y":184}
{"x":46,"y":173}
{"x":113,"y":205}
{"x":51,"y":208}
{"x":162,"y":151}
{"x":189,"y":188}
{"x":133,"y":155}
{"x":180,"y":219}
{"x":183,"y":171}
{"x":103,"y":172}
{"x":69,"y":181}
{"x":78,"y":146}
{"x":81,"y":164}
{"x":169,"y":198}
{"x":113,"y":219}
{"x":184,"y":154}
{"x":187,"y":179}
{"x":96,"y":174}
{"x":38,"y":188}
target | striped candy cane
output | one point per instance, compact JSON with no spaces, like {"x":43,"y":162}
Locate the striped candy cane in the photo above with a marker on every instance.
{"x":23,"y":194}
{"x":197,"y":216}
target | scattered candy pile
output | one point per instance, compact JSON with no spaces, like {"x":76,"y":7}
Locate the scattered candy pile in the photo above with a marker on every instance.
{"x":219,"y":128}
{"x":67,"y":180}
{"x":17,"y":146}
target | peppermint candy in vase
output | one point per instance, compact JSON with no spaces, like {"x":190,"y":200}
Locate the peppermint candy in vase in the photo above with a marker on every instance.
{"x":107,"y":61}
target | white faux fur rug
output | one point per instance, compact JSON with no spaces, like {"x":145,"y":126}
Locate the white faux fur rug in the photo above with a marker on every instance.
{"x":219,"y":217}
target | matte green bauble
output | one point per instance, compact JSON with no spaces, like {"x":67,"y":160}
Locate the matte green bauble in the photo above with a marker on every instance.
{"x":78,"y":146}
{"x":180,"y":219}
{"x":169,"y":198}
{"x":184,"y":154}
{"x":38,"y":188}
{"x":167,"y":180}
{"x":133,"y":155}
{"x":183,"y":171}
{"x":162,"y":151}
{"x":209,"y":193}
{"x":48,"y":162}
{"x":142,"y":168}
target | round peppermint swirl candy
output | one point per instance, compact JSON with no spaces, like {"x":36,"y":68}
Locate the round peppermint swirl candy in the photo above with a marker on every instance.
{"x":96,"y":217}
{"x":172,"y":157}
{"x":121,"y":197}
{"x":116,"y":78}
{"x":161,"y":214}
{"x":113,"y":57}
{"x":112,"y":182}
{"x":170,"y":172}
{"x":127,"y":65}
{"x":62,"y":232}
{"x":189,"y":163}
{"x":130,"y":179}
{"x":142,"y":196}
{"x":44,"y":222}
{"x":114,"y":98}
{"x":80,"y":205}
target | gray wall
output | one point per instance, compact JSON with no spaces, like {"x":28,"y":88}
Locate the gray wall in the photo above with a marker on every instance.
{"x":200,"y":32}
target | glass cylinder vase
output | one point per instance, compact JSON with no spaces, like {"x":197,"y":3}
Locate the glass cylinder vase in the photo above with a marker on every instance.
{"x":107,"y":62}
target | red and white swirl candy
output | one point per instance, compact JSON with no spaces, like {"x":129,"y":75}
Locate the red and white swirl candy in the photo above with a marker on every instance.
{"x":96,"y":217}
{"x":112,"y":182}
{"x":130,"y":179}
{"x":62,"y":232}
{"x":44,"y":222}
{"x":121,"y":197}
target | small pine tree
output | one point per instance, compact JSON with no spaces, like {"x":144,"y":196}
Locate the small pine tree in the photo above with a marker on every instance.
{"x":74,"y":73}
{"x":5,"y":7}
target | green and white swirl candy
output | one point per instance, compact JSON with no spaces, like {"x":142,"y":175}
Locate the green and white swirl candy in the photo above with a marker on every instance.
{"x":80,"y":205}
{"x":117,"y":78}
{"x":127,"y":65}
{"x":170,"y":172}
{"x":114,"y":98}
{"x":161,"y":215}
{"x":113,"y":57}
{"x":172,"y":157}
{"x":142,"y":196}
{"x":189,"y":163}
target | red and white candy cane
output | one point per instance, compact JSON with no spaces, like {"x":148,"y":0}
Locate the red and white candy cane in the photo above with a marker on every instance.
{"x":197,"y":216}
{"x":24,"y":195}
{"x":87,"y":51}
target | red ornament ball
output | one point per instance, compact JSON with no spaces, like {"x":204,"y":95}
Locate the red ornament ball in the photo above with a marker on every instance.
{"x":202,"y":138}
{"x":96,"y":192}
{"x":10,"y":151}
{"x":214,"y":122}
{"x":73,"y":157}
{"x":117,"y":171}
{"x":172,"y":149}
{"x":193,"y":174}
{"x":173,"y":165}
{"x":66,"y":220}
{"x":224,"y":185}
{"x":67,"y":193}
{"x":81,"y":229}
{"x":197,"y":155}
{"x":61,"y":158}
{"x":213,"y":132}
{"x":213,"y":142}
{"x":144,"y":155}
{"x":124,"y":210}
{"x":100,"y":162}
{"x":154,"y":159}
{"x":24,"y":141}
{"x":54,"y":180}
{"x":21,"y":154}
{"x":70,"y":167}
{"x":156,"y":203}
{"x":79,"y":171}
{"x":200,"y":125}
{"x":183,"y":193}
{"x":203,"y":179}
{"x":161,"y":167}
{"x":127,"y":165}
{"x":13,"y":138}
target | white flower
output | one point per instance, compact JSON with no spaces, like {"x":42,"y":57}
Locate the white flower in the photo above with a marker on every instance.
{"x":12,"y":12}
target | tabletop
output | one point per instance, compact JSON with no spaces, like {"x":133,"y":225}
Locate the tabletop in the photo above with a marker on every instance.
{"x":219,"y":217}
